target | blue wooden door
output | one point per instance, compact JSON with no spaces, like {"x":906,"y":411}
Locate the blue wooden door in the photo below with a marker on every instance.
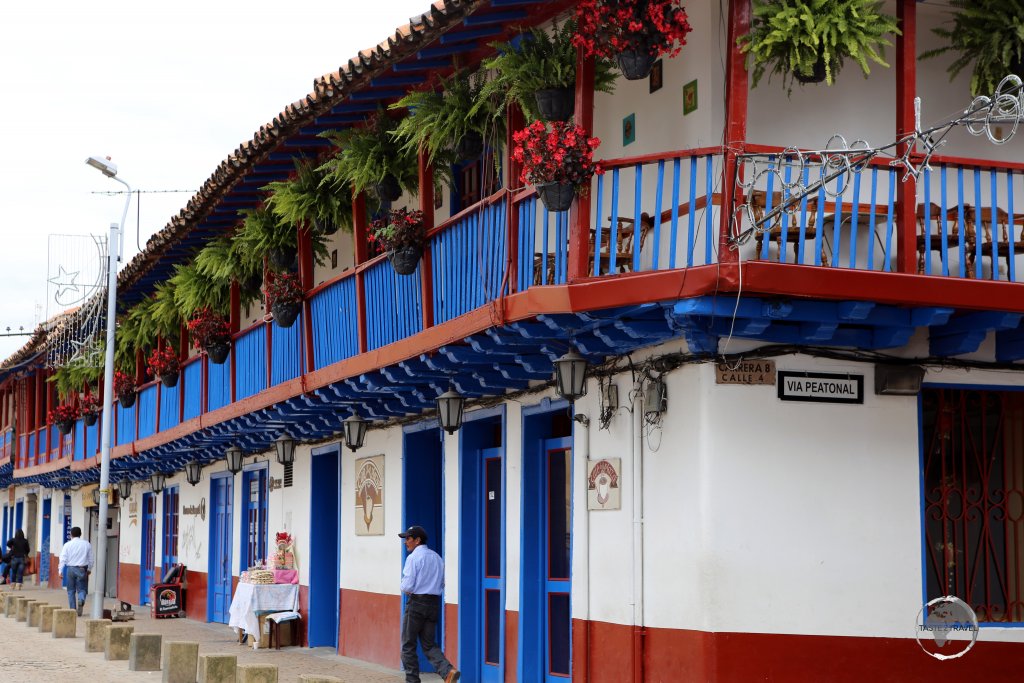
{"x":219,"y":588}
{"x":254,"y":533}
{"x":6,"y":532}
{"x":169,"y":546}
{"x":66,"y":533}
{"x":324,"y":547}
{"x":44,"y":544}
{"x":492,"y":582}
{"x":147,"y":561}
{"x":558,"y":553}
{"x":19,"y":510}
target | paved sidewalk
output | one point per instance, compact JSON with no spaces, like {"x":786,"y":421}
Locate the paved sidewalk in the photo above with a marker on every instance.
{"x":28,"y":656}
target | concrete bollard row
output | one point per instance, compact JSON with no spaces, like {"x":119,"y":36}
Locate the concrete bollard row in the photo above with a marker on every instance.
{"x":10,"y":604}
{"x":116,"y":639}
{"x":21,"y":611}
{"x":46,"y":618}
{"x":33,"y":614}
{"x":144,"y":652}
{"x":179,"y":661}
{"x":95,"y":632}
{"x":218,"y":668}
{"x":257,"y":673}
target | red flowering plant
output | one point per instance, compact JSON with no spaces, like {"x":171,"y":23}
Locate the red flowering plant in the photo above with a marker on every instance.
{"x":65,"y":413}
{"x":163,"y":362}
{"x":208,"y":327}
{"x":90,"y":404}
{"x":124,"y":384}
{"x":398,"y":229}
{"x":559,"y":152}
{"x":606,"y":28}
{"x":284,"y":288}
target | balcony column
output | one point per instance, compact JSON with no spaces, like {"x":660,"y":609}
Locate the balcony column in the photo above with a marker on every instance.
{"x":579,"y":214}
{"x":426,"y":176}
{"x":515,"y":121}
{"x":360,"y":247}
{"x":906,"y":91}
{"x":306,"y":266}
{"x":182,"y":357}
{"x":234,"y":324}
{"x":736,"y":89}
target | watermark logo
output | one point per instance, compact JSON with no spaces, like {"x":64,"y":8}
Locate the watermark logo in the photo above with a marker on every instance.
{"x":947,"y":628}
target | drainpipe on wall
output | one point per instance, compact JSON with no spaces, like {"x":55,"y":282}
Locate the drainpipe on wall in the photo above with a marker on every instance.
{"x":582,"y":495}
{"x":639,"y":633}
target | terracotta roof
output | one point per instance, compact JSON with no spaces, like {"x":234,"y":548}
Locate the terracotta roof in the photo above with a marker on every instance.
{"x":329,"y":90}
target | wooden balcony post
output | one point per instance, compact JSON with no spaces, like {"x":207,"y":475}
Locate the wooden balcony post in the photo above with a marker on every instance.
{"x":426,"y":176}
{"x":360,"y":230}
{"x":182,"y":357}
{"x":906,"y":90}
{"x":579,"y":214}
{"x":234,"y":324}
{"x":515,"y":121}
{"x":736,"y":88}
{"x":306,"y":266}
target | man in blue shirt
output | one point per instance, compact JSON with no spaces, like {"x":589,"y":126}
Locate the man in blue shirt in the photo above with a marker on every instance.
{"x":422,"y":583}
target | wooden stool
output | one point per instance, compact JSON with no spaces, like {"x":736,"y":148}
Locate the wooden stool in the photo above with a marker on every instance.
{"x":276,"y":620}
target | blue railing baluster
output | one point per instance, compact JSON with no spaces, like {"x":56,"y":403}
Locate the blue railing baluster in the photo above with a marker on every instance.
{"x":802,"y":234}
{"x":613,"y":235}
{"x":598,"y":227}
{"x":1010,"y":239}
{"x":978,"y":223}
{"x":960,"y":220}
{"x":854,"y":216}
{"x":943,"y":222}
{"x":819,"y":225}
{"x":691,"y":238}
{"x":993,"y":217}
{"x":638,"y":190}
{"x":926,"y":228}
{"x":674,"y":232}
{"x":659,"y":196}
{"x":784,"y":230}
{"x":709,"y":196}
{"x":871,"y":221}
{"x":837,"y":219}
{"x":769,"y":201}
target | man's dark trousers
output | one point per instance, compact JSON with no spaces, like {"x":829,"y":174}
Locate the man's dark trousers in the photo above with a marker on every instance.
{"x":420,"y":623}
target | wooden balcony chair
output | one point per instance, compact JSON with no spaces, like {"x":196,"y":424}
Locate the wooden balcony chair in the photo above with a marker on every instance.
{"x":757,"y":199}
{"x":625,"y":242}
{"x":929,"y":239}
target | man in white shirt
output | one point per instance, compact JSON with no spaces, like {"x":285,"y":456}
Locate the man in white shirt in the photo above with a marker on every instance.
{"x":76,"y":559}
{"x":422,"y":583}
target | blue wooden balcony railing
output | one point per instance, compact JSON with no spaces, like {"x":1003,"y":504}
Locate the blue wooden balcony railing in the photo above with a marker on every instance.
{"x":648,"y":213}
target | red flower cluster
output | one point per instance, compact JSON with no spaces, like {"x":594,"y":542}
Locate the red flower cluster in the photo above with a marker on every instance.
{"x":207,"y":327}
{"x":560,"y":154}
{"x":163,"y":361}
{"x":65,"y":412}
{"x":605,"y":28}
{"x":284,"y":288}
{"x":90,"y":404}
{"x":123,"y":383}
{"x":401,"y":228}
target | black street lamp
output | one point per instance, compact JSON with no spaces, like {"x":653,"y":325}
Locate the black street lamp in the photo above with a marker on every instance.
{"x":234,"y":456}
{"x":193,"y":472}
{"x":571,"y":376}
{"x":156,"y":481}
{"x":285,"y":445}
{"x":355,"y":431}
{"x":124,"y":488}
{"x":449,"y":410}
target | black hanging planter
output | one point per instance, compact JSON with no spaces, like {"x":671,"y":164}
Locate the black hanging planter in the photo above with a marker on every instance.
{"x":556,"y":196}
{"x":285,"y":258}
{"x":126,"y":399}
{"x":817,"y":74}
{"x":285,"y":312}
{"x":170,"y":379}
{"x":253,"y":282}
{"x":90,"y":419}
{"x":471,"y":146}
{"x":388,"y":189}
{"x":325,"y":227}
{"x":405,"y":259}
{"x":635,"y":64}
{"x":218,"y":351}
{"x":556,"y":104}
{"x":65,"y":426}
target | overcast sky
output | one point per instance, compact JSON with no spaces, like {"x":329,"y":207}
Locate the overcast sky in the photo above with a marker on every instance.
{"x":167,"y":90}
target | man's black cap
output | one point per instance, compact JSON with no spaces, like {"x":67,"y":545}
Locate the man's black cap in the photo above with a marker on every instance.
{"x":414,"y":532}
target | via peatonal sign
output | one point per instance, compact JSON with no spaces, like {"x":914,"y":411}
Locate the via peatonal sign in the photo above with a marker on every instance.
{"x":821,"y":387}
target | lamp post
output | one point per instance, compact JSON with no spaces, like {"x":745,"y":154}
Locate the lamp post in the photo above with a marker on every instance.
{"x":113,"y":256}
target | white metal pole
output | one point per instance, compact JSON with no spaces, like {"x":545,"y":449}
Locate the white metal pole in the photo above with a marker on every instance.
{"x":113,"y":256}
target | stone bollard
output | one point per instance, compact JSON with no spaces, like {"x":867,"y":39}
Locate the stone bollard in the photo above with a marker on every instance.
{"x":257,"y":673}
{"x":46,"y":618}
{"x":116,"y":639}
{"x":95,"y":630}
{"x":179,"y":661}
{"x":10,"y":604}
{"x":33,"y":614}
{"x":318,"y":678}
{"x":144,"y":652}
{"x":217,"y":668}
{"x":64,"y":623}
{"x":22,"y":613}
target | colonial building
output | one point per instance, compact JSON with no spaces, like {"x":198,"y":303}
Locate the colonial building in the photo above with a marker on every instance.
{"x":803,"y":416}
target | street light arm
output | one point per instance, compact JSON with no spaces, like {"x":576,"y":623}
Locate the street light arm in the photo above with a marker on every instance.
{"x":124,"y":215}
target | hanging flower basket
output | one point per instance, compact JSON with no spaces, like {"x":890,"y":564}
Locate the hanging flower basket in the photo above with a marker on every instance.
{"x":388,"y":189}
{"x":90,"y":419}
{"x":325,"y":227}
{"x":90,"y":406}
{"x":555,"y":104}
{"x":635,"y":64}
{"x":126,"y":398}
{"x":405,"y":259}
{"x":63,"y":416}
{"x":124,"y":388}
{"x":817,"y":75}
{"x":470,"y":146}
{"x":169,"y":380}
{"x":556,"y":196}
{"x":286,"y":312}
{"x":218,"y":351}
{"x":65,"y":426}
{"x":284,"y":258}
{"x":163,"y":363}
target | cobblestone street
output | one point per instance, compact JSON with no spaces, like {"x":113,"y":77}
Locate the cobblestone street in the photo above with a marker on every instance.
{"x":29,"y":656}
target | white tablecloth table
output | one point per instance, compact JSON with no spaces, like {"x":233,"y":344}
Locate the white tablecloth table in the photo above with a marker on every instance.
{"x":251,"y":598}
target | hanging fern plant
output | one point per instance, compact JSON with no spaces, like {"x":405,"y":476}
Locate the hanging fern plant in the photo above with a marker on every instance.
{"x":70,"y":378}
{"x":221,"y":260}
{"x":311,"y":198}
{"x":988,"y":34}
{"x":194,"y":290}
{"x":264,"y":236}
{"x":809,"y":40}
{"x":370,"y":155}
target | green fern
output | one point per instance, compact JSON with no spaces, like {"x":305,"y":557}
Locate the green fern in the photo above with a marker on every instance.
{"x":311,"y":196}
{"x":194,"y":290}
{"x":539,"y":61}
{"x":988,"y":34}
{"x":367,"y":154}
{"x":70,"y":378}
{"x":789,"y":37}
